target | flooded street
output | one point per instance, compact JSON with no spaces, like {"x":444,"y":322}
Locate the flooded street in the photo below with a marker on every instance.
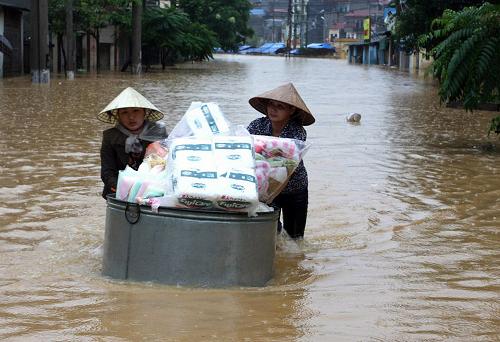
{"x":402,"y":239}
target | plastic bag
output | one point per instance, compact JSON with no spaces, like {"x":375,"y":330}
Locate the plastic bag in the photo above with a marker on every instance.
{"x":276,"y":160}
{"x":202,"y":119}
{"x":147,"y":182}
{"x":155,"y":131}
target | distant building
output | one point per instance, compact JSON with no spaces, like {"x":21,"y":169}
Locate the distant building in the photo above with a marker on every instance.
{"x":12,"y":37}
{"x":314,"y":21}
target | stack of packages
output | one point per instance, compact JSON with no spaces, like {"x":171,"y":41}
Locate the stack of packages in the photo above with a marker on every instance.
{"x":211,"y":166}
{"x":206,"y":163}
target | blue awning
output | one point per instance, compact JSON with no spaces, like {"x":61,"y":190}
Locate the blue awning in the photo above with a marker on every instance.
{"x":320,"y":46}
{"x":259,"y":12}
{"x":272,"y":48}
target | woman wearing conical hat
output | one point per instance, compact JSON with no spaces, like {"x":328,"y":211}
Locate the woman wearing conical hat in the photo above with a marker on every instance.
{"x":286,"y":114}
{"x":124,"y":144}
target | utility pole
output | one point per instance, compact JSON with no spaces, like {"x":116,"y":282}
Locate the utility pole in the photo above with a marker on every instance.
{"x":308,"y":6}
{"x":295,"y":22}
{"x":39,"y":47}
{"x":273,"y":38}
{"x":289,"y":40}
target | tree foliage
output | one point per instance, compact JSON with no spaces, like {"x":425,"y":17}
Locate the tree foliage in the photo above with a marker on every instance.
{"x":414,"y":18}
{"x":57,"y":23}
{"x":170,"y":31}
{"x":467,"y":55}
{"x":228,"y":19}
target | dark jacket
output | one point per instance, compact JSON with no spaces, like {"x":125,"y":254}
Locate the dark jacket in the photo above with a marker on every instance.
{"x":114,"y":158}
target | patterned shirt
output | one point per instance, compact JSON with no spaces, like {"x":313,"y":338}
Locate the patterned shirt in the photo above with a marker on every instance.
{"x":293,"y":130}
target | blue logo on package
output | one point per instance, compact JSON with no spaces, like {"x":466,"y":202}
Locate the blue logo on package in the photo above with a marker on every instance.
{"x":199,"y":185}
{"x":191,"y":147}
{"x":234,"y":157}
{"x":237,"y":187}
{"x":193,"y":158}
{"x":210,"y":119}
{"x":199,"y":174}
{"x":233,"y":146}
{"x":242,"y":176}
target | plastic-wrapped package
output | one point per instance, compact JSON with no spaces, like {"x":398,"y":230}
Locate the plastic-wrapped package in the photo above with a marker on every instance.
{"x":200,"y":120}
{"x":196,"y":166}
{"x":126,"y":179}
{"x":156,"y":148}
{"x":196,"y":152}
{"x":237,"y":190}
{"x":276,"y":160}
{"x":147,"y":182}
{"x":195,"y":188}
{"x":262,"y":169}
{"x":234,"y":151}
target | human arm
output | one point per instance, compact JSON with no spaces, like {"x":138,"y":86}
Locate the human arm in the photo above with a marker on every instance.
{"x":109,"y":165}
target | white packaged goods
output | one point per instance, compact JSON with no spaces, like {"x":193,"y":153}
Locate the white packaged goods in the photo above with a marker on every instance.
{"x":194,"y":188}
{"x":208,"y":163}
{"x":206,"y":119}
{"x":237,"y":190}
{"x":192,"y":151}
{"x":234,"y":151}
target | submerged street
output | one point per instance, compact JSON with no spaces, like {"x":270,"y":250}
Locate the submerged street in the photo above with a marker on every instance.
{"x":403,"y":226}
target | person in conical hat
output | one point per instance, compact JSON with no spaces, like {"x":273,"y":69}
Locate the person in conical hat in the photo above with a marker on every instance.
{"x":286,"y":114}
{"x":135,"y":127}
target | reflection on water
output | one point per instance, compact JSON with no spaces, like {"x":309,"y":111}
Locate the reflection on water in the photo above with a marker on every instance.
{"x":401,"y":243}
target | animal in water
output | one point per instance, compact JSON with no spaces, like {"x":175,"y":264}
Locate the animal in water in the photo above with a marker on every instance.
{"x":353,"y":117}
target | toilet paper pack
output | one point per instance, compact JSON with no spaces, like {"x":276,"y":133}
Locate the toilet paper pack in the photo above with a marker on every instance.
{"x":234,"y":151}
{"x":194,"y":152}
{"x":206,"y":119}
{"x":195,"y":188}
{"x":237,"y":190}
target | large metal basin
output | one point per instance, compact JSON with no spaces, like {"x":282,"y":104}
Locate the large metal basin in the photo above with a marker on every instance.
{"x":188,"y":247}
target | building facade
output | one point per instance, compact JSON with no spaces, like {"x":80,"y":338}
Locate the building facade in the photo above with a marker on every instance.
{"x":12,"y":54}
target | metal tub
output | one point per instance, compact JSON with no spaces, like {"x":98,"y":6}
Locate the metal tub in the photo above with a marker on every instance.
{"x":188,"y":247}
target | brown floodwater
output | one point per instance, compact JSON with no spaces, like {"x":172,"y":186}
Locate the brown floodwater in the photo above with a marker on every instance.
{"x":402,"y":240}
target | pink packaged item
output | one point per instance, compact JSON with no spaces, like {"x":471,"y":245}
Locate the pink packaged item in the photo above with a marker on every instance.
{"x":272,"y":147}
{"x":275,"y":161}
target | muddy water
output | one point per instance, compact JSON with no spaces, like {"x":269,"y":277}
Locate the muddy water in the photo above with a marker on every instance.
{"x":402,"y":241}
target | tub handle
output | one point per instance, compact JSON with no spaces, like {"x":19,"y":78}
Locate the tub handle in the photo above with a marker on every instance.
{"x":132,"y":212}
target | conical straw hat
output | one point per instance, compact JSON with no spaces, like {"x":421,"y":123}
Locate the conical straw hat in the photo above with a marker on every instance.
{"x":129,"y":98}
{"x":286,"y":94}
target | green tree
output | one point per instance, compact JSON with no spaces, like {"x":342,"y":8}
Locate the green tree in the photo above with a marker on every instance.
{"x":414,"y":18}
{"x":227,"y":18}
{"x":170,"y":32}
{"x":199,"y":42}
{"x":467,"y":56}
{"x":57,"y":24}
{"x":94,"y":15}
